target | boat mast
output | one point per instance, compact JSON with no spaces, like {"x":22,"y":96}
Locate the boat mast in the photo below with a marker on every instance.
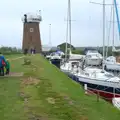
{"x":109,"y":31}
{"x":49,"y":33}
{"x":69,"y":20}
{"x":103,"y":33}
{"x":113,"y":27}
{"x":117,"y":15}
{"x":104,"y":5}
{"x":66,"y":37}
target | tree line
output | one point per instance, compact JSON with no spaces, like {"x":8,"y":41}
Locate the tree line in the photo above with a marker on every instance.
{"x":10,"y":50}
{"x":81,"y":50}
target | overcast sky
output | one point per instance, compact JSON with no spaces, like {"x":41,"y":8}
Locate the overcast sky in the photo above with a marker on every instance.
{"x":86,"y":24}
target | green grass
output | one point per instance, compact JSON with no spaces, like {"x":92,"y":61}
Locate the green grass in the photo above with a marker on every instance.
{"x":12,"y":56}
{"x":11,"y":108}
{"x":68,"y":99}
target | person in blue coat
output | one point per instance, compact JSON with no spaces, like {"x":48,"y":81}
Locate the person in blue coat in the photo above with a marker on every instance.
{"x":2,"y":57}
{"x":1,"y":68}
{"x":2,"y":64}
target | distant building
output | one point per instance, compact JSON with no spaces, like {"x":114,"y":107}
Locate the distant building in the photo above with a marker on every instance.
{"x":46,"y":48}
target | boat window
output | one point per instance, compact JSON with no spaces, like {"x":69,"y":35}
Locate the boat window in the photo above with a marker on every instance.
{"x":75,"y":63}
{"x":80,"y":60}
{"x":51,"y":54}
{"x":87,"y":74}
{"x":89,"y":56}
{"x":93,"y":51}
{"x":109,"y":75}
{"x":59,"y":54}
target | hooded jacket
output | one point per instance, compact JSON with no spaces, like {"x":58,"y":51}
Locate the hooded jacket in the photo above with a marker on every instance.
{"x":2,"y":60}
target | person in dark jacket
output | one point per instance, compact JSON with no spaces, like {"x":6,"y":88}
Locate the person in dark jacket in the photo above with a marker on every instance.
{"x":34,"y":51}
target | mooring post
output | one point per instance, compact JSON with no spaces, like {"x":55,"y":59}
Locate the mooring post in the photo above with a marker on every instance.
{"x":85,"y":88}
{"x":98,"y":96}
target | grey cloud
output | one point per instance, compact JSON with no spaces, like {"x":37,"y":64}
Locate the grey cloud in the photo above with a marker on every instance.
{"x":86,"y":29}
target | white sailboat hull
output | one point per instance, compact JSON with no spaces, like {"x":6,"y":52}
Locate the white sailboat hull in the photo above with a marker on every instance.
{"x":97,"y":82}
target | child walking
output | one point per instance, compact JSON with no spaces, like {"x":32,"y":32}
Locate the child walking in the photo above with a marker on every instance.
{"x":7,"y":67}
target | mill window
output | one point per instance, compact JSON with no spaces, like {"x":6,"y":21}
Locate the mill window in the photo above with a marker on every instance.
{"x":31,"y":29}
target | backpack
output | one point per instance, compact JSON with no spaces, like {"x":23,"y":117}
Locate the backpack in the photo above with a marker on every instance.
{"x":3,"y":63}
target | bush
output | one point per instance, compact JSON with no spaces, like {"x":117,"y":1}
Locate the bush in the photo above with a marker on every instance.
{"x":27,"y":61}
{"x":77,"y":51}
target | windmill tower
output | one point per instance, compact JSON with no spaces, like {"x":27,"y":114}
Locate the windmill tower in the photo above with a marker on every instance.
{"x":31,"y":33}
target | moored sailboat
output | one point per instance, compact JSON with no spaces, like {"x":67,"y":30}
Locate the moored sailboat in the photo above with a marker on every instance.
{"x":98,"y":80}
{"x":113,"y":62}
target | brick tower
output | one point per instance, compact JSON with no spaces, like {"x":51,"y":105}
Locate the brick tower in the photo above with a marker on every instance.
{"x":31,"y":33}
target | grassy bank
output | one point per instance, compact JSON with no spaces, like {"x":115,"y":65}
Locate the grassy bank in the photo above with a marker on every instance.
{"x":12,"y":56}
{"x":47,"y":94}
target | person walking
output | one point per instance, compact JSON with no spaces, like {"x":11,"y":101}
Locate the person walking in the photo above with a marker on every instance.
{"x":2,"y":64}
{"x":7,"y":67}
{"x":1,"y":68}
